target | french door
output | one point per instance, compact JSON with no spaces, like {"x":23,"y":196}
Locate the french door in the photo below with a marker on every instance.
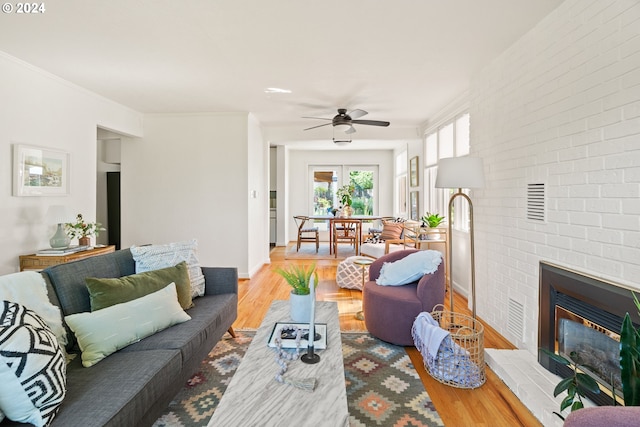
{"x":324,"y":184}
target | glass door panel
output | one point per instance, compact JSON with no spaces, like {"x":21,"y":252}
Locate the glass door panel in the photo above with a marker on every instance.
{"x":364,"y":179}
{"x":325,"y":184}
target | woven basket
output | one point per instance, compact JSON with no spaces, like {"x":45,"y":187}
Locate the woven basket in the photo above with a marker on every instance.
{"x":460,"y":364}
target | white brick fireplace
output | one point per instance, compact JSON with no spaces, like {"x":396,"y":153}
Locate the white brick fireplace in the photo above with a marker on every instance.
{"x":560,"y":108}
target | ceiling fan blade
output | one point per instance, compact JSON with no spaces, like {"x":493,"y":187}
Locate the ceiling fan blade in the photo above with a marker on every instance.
{"x":357,"y":113}
{"x":370,"y":122}
{"x":317,"y":118}
{"x":350,"y":130}
{"x":319,"y":126}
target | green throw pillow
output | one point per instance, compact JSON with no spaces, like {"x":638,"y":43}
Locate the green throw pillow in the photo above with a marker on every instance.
{"x":107,"y":292}
{"x":103,"y":332}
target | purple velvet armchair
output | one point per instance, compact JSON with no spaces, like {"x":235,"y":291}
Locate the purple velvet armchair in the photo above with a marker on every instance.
{"x":389,"y":311}
{"x":613,"y":416}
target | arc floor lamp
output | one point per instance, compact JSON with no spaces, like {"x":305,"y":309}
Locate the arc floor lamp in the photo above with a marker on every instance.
{"x":461,"y":172}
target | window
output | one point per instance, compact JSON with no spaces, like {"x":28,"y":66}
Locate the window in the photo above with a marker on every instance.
{"x":363,"y":179}
{"x":449,"y":140}
{"x":431,"y":154}
{"x":401,"y":185}
{"x":325,"y":181}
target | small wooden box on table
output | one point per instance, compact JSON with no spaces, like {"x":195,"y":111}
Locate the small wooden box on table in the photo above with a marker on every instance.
{"x":40,"y":262}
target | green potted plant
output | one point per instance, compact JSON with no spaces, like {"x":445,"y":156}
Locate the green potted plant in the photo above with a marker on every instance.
{"x":83,"y":230}
{"x":630,"y":359}
{"x":299,"y":278}
{"x":575,"y":385}
{"x":432,"y":220}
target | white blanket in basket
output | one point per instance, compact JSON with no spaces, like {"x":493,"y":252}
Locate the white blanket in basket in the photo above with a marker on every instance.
{"x":444,"y":359}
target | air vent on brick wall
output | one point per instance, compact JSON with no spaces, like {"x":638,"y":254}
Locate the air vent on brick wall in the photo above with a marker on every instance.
{"x":535,"y":202}
{"x":515,"y":320}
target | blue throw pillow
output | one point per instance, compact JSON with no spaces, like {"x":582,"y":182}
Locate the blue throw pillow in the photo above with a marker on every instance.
{"x":409,"y":269}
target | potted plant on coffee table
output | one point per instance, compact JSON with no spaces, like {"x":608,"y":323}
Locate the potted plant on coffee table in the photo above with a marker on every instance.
{"x":299,"y":278}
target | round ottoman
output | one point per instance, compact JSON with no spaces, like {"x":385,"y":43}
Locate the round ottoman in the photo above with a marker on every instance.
{"x":349,"y":274}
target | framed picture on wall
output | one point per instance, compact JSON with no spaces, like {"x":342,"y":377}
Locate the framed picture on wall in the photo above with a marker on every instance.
{"x":414,"y":205}
{"x":413,"y":171}
{"x":39,"y":171}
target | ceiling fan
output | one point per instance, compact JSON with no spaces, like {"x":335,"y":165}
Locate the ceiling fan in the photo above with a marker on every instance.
{"x":344,"y":121}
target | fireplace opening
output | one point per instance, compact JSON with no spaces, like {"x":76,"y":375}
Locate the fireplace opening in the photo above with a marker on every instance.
{"x":597,"y":349}
{"x":584,"y":314}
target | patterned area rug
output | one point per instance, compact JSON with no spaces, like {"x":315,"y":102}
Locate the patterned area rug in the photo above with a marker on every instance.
{"x":308,"y":251}
{"x":383,"y":388}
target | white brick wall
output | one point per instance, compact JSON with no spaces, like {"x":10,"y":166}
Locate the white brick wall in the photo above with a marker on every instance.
{"x":560,"y":107}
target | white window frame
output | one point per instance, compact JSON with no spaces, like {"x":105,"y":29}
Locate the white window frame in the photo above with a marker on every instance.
{"x":437,"y":199}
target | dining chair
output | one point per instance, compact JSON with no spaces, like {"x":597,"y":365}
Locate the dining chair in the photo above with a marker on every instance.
{"x":306,"y":234}
{"x":346,"y":231}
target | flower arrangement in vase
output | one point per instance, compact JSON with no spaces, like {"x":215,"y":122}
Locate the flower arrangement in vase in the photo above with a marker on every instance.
{"x":345,"y":193}
{"x":299,"y":278}
{"x":83,"y":230}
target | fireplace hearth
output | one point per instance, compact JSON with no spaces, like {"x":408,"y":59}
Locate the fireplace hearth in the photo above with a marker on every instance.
{"x":583,"y":313}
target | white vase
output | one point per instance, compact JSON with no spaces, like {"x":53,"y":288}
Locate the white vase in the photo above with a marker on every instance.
{"x":346,"y":212}
{"x":300,"y":308}
{"x":434,"y":236}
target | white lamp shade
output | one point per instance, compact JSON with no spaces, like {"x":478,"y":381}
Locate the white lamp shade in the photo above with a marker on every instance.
{"x":57,"y":214}
{"x":460,"y":172}
{"x":342,"y":127}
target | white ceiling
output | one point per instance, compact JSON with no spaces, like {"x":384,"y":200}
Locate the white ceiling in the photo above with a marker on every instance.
{"x":402,"y":61}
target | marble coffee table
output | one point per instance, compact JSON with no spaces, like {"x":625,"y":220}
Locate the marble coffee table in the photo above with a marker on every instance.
{"x":255,"y":398}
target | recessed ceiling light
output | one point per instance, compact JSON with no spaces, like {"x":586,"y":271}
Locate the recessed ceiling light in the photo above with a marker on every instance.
{"x":276,"y":90}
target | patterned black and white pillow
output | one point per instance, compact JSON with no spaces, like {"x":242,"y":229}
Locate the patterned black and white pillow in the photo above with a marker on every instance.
{"x":32,"y":367}
{"x":375,"y":238}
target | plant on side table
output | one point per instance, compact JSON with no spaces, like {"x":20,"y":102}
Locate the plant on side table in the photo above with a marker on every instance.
{"x":83,"y":230}
{"x":432,"y":220}
{"x":299,"y":278}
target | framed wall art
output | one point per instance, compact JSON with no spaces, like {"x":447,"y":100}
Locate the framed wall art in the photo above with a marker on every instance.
{"x":413,"y":171}
{"x":39,"y":171}
{"x":414,"y":205}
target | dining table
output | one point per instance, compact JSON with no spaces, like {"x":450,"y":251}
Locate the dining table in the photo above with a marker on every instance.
{"x":331,"y":218}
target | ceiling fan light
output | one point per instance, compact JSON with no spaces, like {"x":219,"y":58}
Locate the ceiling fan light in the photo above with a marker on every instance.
{"x":342,"y":142}
{"x":342,"y":127}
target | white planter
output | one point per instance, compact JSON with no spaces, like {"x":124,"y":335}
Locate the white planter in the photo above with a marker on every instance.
{"x":300,"y":308}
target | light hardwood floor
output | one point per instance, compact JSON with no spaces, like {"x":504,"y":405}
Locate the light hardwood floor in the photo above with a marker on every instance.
{"x":491,"y":405}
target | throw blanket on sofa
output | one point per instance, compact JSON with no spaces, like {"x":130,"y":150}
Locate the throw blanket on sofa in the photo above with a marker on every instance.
{"x":443,"y":357}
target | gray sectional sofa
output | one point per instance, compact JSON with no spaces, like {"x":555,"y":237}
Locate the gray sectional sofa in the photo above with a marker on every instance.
{"x":133,"y":386}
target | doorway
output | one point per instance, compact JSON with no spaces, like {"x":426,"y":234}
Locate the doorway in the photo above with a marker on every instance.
{"x":108,"y":210}
{"x":325,"y":182}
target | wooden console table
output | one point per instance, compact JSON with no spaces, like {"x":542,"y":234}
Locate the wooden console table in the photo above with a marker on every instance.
{"x":40,"y":262}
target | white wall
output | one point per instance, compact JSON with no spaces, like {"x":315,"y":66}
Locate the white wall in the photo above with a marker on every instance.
{"x":560,"y":107}
{"x":258,"y":197}
{"x":37,"y":108}
{"x":297,"y":193}
{"x":191,"y":177}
